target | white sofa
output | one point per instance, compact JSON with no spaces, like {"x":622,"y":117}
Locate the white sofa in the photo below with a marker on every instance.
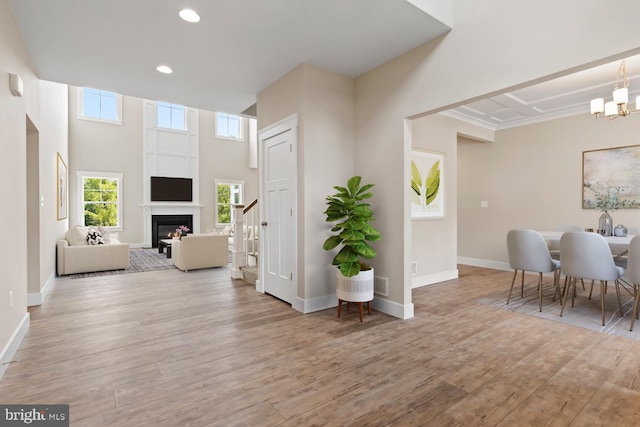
{"x":75,"y":255}
{"x":196,"y":251}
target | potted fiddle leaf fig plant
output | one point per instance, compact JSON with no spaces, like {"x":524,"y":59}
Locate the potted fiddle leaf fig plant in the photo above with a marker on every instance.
{"x":352,"y":231}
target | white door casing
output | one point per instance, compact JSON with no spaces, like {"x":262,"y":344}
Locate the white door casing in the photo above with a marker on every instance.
{"x":278,"y":169}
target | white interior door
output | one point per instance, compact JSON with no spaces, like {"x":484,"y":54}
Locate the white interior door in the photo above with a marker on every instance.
{"x":278,"y":199}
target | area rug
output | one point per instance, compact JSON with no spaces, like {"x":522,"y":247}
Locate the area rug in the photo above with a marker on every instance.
{"x":586,"y":313}
{"x":139,"y":260}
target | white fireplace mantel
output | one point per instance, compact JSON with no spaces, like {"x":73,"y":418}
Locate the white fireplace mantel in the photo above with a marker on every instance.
{"x":168,"y":208}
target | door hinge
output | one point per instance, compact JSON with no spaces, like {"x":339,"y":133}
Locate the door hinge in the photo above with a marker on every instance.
{"x":291,"y":148}
{"x":291,"y":275}
{"x":291,"y":212}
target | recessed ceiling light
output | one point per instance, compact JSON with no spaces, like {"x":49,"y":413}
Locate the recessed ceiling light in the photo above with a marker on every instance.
{"x":189,"y":15}
{"x":164,"y":69}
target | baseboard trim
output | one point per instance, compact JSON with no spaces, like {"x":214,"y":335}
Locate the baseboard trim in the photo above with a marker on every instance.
{"x":10,"y":349}
{"x":402,"y":311}
{"x":259,"y":286}
{"x":38,"y":298}
{"x":430,"y":279}
{"x":138,"y":246}
{"x":315,"y":304}
{"x":496,"y":265}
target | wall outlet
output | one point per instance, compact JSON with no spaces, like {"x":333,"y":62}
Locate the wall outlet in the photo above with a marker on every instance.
{"x":10,"y":299}
{"x":484,"y":204}
{"x":414,"y":268}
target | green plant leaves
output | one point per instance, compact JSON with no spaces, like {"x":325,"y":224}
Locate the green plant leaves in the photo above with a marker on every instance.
{"x":353,"y":228}
{"x":425,"y":195}
{"x":416,"y":179}
{"x":432,"y":183}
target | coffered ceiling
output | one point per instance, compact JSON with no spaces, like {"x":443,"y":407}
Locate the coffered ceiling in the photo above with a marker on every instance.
{"x":561,"y":97}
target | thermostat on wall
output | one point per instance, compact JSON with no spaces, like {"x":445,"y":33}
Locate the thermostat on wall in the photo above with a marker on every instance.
{"x":16,"y":85}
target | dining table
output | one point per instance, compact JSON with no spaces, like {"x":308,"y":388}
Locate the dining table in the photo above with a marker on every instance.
{"x":612,"y":240}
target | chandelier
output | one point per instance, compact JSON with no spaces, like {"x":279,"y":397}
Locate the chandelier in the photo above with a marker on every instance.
{"x":619,"y":106}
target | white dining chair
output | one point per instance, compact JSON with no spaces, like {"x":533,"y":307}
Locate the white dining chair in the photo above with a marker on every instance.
{"x":528,"y":252}
{"x":554,"y":245}
{"x":633,"y":275}
{"x":587,"y":256}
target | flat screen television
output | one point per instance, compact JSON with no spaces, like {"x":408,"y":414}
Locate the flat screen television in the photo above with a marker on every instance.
{"x":166,"y":189}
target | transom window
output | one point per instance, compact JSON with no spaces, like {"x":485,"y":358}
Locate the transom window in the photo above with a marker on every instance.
{"x":228,"y":193}
{"x":101,"y":195}
{"x":171,"y":116}
{"x":229,"y":126}
{"x":102,"y":105}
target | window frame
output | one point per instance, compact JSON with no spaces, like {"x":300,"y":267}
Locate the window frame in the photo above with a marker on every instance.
{"x":241,"y":125}
{"x":117,"y":121}
{"x":81,"y":176}
{"x":184,"y":118}
{"x":215,"y":201}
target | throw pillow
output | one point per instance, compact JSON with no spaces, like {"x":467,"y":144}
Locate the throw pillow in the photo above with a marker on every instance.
{"x":106,"y":235}
{"x":94,"y":237}
{"x":77,"y":236}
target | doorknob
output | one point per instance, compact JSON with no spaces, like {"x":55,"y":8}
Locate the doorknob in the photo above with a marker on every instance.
{"x":264,"y":223}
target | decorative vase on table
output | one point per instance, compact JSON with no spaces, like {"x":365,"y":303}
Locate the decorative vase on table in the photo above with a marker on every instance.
{"x":605,"y":224}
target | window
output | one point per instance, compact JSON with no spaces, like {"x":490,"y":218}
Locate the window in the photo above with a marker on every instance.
{"x":101,"y":195}
{"x":101,"y":105}
{"x":229,"y":126}
{"x":171,"y":116}
{"x":228,"y":193}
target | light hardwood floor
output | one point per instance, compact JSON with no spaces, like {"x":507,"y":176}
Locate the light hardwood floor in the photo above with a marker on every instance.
{"x":174,"y":349}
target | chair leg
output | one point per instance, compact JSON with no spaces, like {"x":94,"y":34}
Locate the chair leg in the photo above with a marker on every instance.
{"x":591,"y":290}
{"x":603,"y":286}
{"x":540,"y":287}
{"x":565,"y":293}
{"x":582,"y":281}
{"x":556,"y":284}
{"x":522,"y":285}
{"x":515,"y":273}
{"x":635,"y":308}
{"x":619,"y":298}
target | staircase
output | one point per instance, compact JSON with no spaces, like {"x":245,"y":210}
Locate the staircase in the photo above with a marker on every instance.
{"x":244,"y":256}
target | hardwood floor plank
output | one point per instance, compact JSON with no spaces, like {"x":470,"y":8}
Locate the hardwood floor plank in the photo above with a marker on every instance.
{"x":194,"y":349}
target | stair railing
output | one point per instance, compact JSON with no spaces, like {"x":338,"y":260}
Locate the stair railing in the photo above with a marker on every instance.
{"x":244,"y":251}
{"x":250,"y":214}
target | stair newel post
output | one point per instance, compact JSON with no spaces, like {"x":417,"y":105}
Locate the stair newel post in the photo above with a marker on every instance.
{"x":238,"y":255}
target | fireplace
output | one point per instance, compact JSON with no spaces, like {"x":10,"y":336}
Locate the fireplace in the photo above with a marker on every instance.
{"x":162,"y":226}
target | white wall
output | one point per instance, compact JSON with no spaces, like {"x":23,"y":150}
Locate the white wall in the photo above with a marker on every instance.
{"x":433,"y":241}
{"x":494,"y":45}
{"x":324,"y":102}
{"x":105,"y":147}
{"x":222,"y":159}
{"x":532,"y":178}
{"x":53,"y":139}
{"x":327,"y":160}
{"x":13,"y":173}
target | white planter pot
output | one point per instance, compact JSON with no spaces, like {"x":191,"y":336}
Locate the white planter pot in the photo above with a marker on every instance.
{"x":358,"y":288}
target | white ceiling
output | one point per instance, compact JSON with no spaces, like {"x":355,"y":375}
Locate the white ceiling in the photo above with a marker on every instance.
{"x":238,"y":49}
{"x":562,"y":97}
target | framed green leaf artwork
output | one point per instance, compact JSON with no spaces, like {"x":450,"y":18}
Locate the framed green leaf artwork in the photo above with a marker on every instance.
{"x":427,"y":184}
